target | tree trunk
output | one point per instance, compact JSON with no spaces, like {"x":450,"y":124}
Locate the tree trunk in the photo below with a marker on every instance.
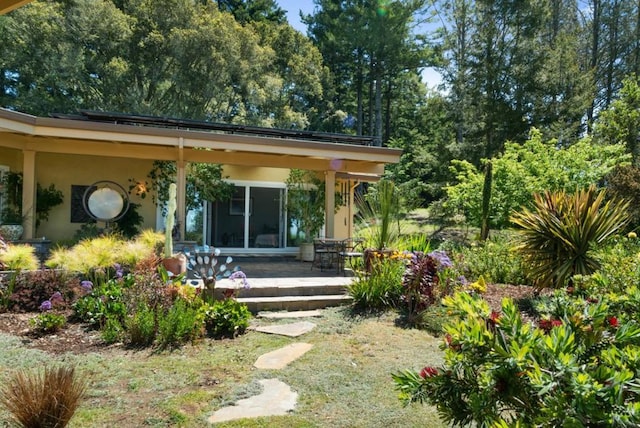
{"x":486,"y":201}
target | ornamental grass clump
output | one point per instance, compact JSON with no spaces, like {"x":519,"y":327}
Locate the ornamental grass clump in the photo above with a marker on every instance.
{"x":558,"y":234}
{"x":381,"y":287}
{"x":45,"y":398}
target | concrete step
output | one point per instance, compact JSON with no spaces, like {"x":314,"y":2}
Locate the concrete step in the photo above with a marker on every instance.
{"x":274,"y":287}
{"x":294,"y":303}
{"x":290,"y":294}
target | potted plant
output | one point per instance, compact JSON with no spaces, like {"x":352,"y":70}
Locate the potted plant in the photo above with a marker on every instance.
{"x":11,"y":217}
{"x":305,"y":205}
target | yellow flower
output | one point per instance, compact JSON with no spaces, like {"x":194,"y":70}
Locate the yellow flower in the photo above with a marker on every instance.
{"x":480,"y":286}
{"x":632,"y":235}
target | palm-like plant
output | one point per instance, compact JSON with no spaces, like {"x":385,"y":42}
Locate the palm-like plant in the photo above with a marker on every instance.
{"x":559,"y":232}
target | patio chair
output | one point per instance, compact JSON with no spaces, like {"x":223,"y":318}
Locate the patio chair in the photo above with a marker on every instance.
{"x":351,"y":249}
{"x":326,"y":253}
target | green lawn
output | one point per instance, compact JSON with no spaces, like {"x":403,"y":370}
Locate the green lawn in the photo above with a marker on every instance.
{"x":344,"y":381}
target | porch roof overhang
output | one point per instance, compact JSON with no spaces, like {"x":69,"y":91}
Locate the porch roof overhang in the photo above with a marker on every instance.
{"x":80,"y":137}
{"x":8,"y":5}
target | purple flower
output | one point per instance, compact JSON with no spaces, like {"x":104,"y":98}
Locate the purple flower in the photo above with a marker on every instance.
{"x":87,"y":286}
{"x":240,"y":275}
{"x":45,"y":306}
{"x":441,"y":257}
{"x":118,"y":269}
{"x":56,"y":298}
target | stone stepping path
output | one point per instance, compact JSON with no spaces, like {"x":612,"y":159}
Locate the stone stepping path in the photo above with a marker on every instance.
{"x":291,"y":330}
{"x":276,"y":399}
{"x":280,"y":358}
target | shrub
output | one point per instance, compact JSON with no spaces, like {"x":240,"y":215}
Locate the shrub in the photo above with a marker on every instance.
{"x":493,"y":259}
{"x":226,"y":318}
{"x":558,"y":234}
{"x":102,"y":302}
{"x":576,"y":368}
{"x":112,"y":330}
{"x":381,"y":287}
{"x":178,"y":325}
{"x":48,"y":322}
{"x":140,"y":326}
{"x":47,"y":398}
{"x":619,"y":265}
{"x":33,"y":287}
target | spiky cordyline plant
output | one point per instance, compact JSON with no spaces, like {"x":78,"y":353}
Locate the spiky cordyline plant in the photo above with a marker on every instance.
{"x":559,"y":232}
{"x":47,"y":398}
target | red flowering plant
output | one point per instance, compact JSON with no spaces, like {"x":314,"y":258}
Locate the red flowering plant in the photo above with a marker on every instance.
{"x":577,"y":366}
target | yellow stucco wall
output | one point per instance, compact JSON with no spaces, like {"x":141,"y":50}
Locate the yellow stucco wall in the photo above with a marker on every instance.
{"x":65,"y":171}
{"x":255,"y":174}
{"x":11,"y":158}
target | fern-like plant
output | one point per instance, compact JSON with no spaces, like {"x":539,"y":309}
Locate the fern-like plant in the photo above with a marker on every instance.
{"x":558,"y":233}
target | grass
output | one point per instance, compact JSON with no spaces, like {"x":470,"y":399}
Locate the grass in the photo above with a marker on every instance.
{"x":343,"y":381}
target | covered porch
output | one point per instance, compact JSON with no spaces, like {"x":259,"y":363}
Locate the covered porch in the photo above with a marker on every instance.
{"x":97,"y":146}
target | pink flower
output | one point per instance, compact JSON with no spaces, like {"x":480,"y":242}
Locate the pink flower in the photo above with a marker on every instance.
{"x":428,"y":372}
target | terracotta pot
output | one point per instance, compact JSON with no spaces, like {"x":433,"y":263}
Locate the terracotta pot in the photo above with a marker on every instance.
{"x":176,"y":265}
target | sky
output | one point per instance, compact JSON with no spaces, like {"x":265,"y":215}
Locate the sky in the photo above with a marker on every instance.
{"x":293,"y":7}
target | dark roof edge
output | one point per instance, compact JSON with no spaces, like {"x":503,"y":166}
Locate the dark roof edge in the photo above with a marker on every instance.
{"x":167,"y":122}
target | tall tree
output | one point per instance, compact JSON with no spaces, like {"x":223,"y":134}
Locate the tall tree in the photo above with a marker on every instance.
{"x":367,"y":44}
{"x":246,"y":11}
{"x":175,"y":58}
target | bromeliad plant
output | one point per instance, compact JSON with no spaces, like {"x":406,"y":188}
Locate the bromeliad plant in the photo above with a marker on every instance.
{"x":557,"y":236}
{"x":575,"y":368}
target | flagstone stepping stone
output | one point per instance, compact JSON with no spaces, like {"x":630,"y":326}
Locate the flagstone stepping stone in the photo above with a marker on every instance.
{"x":292,"y":329}
{"x":276,"y":399}
{"x":292,"y":314}
{"x":279,"y":358}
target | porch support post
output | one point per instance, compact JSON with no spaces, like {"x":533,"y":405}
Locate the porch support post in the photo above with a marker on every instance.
{"x":28,"y":193}
{"x":330,"y":202}
{"x":181,"y":191}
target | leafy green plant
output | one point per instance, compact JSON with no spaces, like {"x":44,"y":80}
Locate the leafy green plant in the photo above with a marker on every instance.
{"x":140,"y":327}
{"x":575,"y":369}
{"x":226,"y":318}
{"x":112,"y":330}
{"x":558,"y":234}
{"x":525,"y":169}
{"x":46,"y":199}
{"x":103,"y":302}
{"x":48,"y":322}
{"x":380,"y":288}
{"x":494,"y":259}
{"x":179,"y":324}
{"x":44,"y":398}
{"x":305,"y":203}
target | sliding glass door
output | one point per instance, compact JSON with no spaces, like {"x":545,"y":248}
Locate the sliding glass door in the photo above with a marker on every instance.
{"x":254,"y":217}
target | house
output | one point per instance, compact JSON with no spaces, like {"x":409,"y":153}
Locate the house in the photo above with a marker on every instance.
{"x":74,"y":152}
